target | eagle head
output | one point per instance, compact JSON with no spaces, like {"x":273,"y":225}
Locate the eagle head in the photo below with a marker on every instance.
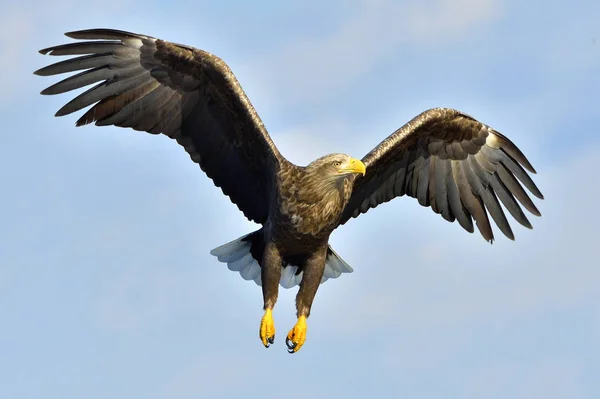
{"x":335,"y":166}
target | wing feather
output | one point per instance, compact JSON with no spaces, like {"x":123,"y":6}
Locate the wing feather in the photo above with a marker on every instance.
{"x":516,"y":189}
{"x":102,"y":91}
{"x":431,"y":189}
{"x":442,"y":170}
{"x":456,"y":204}
{"x":509,"y":201}
{"x":155,"y":94}
{"x":400,"y":176}
{"x":423,"y":181}
{"x":471,"y":198}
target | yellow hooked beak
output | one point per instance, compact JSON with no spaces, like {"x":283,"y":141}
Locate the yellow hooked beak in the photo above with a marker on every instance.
{"x":354,"y":166}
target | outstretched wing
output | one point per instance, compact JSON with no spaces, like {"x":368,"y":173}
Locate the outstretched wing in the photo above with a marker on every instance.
{"x":453,"y":163}
{"x":188,"y":94}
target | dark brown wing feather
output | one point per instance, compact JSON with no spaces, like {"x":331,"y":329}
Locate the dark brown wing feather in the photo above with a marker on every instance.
{"x":457,"y":165}
{"x":188,"y":94}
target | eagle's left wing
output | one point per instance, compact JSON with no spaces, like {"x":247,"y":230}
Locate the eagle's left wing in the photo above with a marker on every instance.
{"x":453,"y":163}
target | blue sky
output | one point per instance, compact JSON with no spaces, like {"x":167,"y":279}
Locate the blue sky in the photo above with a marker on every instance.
{"x":107,"y":288}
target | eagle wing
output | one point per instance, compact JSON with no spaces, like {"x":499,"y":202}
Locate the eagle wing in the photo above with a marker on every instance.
{"x":188,"y":94}
{"x":453,"y":163}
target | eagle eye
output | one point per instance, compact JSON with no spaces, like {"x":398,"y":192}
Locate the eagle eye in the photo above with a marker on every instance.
{"x":336,"y":163}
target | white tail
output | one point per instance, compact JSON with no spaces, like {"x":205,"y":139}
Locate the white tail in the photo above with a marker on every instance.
{"x":238,"y":256}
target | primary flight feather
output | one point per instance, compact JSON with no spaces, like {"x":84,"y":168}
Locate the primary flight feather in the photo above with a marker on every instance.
{"x":446,"y":159}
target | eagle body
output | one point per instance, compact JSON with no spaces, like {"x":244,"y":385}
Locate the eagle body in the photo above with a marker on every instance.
{"x":309,"y":205}
{"x":447,"y":160}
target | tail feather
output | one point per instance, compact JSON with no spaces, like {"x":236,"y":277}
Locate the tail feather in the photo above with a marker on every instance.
{"x":239,"y":259}
{"x":289,"y":278}
{"x":245,"y":254}
{"x":335,"y":266}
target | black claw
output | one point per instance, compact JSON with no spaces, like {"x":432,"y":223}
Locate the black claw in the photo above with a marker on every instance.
{"x":270,"y":341}
{"x":291,"y":346}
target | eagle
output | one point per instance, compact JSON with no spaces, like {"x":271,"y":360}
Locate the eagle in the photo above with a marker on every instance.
{"x":447,"y":160}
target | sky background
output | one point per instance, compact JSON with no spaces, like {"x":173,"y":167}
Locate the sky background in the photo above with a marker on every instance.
{"x":107,"y":287}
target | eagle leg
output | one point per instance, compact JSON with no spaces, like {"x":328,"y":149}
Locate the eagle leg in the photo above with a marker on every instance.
{"x":267,"y":329}
{"x":311,"y":279}
{"x":270,"y":276}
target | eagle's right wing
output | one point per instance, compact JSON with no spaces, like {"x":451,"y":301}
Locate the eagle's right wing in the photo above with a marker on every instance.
{"x":188,"y":94}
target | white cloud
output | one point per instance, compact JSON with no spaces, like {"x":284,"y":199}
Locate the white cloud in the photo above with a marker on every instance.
{"x":30,"y":25}
{"x":16,"y":28}
{"x":444,"y":20}
{"x":316,"y":66}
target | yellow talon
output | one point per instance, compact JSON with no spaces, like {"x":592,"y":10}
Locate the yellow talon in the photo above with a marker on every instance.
{"x":296,"y":337}
{"x":267,"y":329}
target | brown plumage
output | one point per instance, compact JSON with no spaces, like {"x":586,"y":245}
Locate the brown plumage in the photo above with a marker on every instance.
{"x":444,"y":158}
